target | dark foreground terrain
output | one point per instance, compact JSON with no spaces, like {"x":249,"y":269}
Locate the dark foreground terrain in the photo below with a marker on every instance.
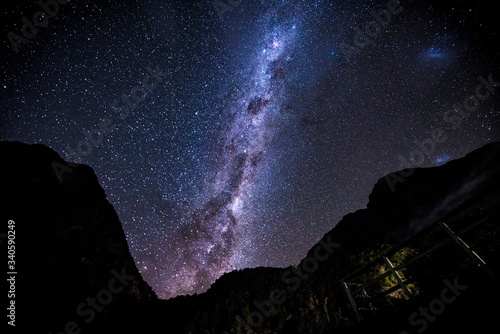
{"x":75,"y":273}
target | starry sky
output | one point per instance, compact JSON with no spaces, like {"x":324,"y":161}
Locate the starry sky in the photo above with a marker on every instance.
{"x":235,"y":134}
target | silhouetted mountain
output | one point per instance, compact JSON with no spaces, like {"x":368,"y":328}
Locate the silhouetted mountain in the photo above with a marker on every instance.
{"x":69,"y":242}
{"x":71,"y":249}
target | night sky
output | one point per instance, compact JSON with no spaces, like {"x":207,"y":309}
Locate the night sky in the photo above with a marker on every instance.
{"x":236,"y":136}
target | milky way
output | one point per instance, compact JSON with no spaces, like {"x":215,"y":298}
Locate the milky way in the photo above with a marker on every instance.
{"x":261,"y":130}
{"x":210,"y":241}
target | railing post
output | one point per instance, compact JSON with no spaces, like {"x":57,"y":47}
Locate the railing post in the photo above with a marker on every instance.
{"x":351,"y":299}
{"x":466,"y":248}
{"x":396,"y":275}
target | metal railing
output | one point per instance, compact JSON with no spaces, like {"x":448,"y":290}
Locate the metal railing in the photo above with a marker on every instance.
{"x":356,"y":291}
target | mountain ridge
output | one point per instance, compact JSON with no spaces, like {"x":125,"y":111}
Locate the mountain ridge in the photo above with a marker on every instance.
{"x":84,"y":248}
